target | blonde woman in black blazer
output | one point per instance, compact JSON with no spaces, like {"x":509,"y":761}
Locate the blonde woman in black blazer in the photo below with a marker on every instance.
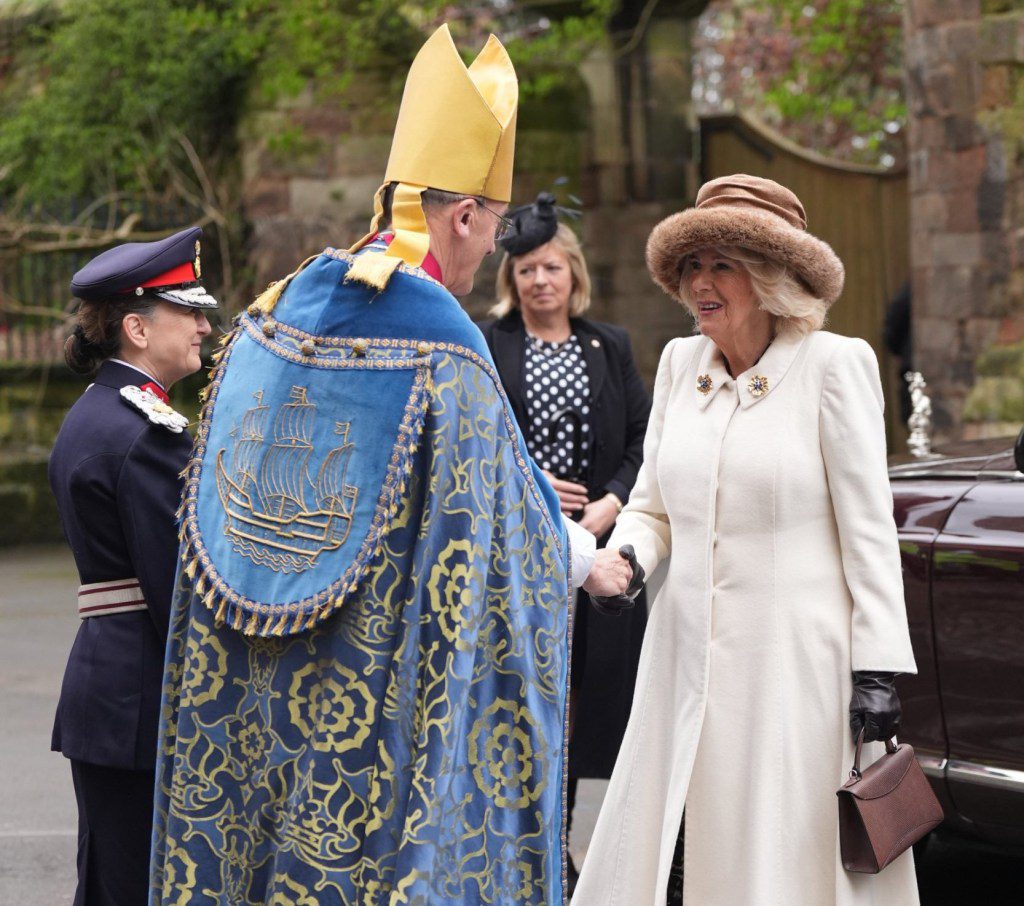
{"x":582,"y":406}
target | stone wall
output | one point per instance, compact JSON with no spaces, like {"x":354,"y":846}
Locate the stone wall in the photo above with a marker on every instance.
{"x":965,"y":68}
{"x":621,"y":134}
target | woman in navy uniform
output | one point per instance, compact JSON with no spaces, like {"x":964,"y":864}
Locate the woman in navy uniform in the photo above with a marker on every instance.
{"x":582,"y":406}
{"x":115,"y":473}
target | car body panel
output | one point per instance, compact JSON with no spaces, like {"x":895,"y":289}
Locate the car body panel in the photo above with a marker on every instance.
{"x":960,"y":517}
{"x":978,"y":618}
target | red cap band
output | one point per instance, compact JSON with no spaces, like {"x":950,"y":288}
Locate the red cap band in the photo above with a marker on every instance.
{"x":182,"y":273}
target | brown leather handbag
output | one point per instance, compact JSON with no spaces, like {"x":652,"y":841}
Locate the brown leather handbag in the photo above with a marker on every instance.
{"x":884,"y":809}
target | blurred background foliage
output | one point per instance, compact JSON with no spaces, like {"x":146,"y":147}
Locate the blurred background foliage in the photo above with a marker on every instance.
{"x":827,"y":74}
{"x":109,"y":97}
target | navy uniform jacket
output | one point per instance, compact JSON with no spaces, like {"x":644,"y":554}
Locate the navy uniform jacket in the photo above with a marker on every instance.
{"x":115,"y":475}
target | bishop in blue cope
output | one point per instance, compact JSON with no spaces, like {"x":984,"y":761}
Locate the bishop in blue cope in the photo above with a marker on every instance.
{"x":365,"y":690}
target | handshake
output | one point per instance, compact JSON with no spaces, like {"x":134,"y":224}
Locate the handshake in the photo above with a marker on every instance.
{"x":614,"y":580}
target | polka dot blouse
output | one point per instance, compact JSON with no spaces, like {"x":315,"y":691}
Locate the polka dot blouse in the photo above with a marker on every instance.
{"x":556,"y":379}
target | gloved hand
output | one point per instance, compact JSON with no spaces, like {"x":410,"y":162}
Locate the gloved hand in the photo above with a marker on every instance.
{"x":875,"y":706}
{"x":614,"y":605}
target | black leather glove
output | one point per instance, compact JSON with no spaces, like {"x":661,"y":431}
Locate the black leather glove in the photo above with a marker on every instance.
{"x":613,"y":605}
{"x":875,"y":706}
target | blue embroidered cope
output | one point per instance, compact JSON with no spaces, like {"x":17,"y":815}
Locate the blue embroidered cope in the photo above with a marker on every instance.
{"x":365,"y":693}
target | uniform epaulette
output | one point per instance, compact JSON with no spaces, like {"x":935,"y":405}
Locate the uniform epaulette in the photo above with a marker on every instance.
{"x":154,"y":408}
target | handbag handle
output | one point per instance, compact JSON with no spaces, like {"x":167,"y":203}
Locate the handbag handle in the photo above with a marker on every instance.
{"x":890,"y":747}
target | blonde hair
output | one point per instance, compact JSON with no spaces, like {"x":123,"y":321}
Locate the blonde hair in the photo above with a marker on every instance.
{"x":776,"y":289}
{"x":579,"y":299}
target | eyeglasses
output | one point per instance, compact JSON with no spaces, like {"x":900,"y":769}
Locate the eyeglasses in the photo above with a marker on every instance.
{"x":504,"y":227}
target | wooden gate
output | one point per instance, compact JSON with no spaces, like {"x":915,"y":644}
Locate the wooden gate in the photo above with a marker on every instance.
{"x":862,"y":212}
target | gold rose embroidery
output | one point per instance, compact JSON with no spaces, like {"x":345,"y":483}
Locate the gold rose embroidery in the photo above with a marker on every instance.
{"x":455,"y":587}
{"x":330,"y":705}
{"x":206,"y":665}
{"x":501,"y":751}
{"x":179,"y":876}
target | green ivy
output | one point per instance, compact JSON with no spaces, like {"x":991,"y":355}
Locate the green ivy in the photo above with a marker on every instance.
{"x":103,"y":90}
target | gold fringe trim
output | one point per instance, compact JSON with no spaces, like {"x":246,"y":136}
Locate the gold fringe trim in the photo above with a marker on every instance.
{"x":221,"y":608}
{"x":252,"y":625}
{"x":281,"y":626}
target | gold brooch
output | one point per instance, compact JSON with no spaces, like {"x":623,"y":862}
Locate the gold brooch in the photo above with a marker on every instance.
{"x":704,"y":383}
{"x":758,"y":385}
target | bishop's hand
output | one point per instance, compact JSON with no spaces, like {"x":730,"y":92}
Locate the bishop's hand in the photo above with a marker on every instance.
{"x":615,"y":580}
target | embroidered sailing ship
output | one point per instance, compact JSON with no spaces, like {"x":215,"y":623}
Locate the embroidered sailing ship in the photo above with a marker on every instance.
{"x":276,"y":512}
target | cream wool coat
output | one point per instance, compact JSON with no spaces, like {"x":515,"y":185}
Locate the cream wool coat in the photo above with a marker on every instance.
{"x":784,"y":577}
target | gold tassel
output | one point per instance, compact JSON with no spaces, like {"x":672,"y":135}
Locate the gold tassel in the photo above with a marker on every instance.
{"x":281,"y":625}
{"x":312,"y":621}
{"x":236,"y":620}
{"x":221,"y":608}
{"x":190,"y":568}
{"x":267,"y":299}
{"x":372,"y":268}
{"x":297,"y":624}
{"x":252,"y":625}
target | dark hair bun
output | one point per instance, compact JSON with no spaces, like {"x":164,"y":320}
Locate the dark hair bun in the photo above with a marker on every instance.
{"x":82,"y":355}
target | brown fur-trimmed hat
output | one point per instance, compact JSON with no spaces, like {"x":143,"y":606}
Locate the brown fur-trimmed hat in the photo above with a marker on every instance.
{"x":752,"y":213}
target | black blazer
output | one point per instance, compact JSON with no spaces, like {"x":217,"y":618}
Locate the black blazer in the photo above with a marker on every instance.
{"x":619,"y":404}
{"x":116,"y":478}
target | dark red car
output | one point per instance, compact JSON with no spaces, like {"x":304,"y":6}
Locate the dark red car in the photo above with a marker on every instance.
{"x":960,"y":517}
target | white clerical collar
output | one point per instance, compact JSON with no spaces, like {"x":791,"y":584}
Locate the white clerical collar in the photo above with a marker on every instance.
{"x":140,"y":371}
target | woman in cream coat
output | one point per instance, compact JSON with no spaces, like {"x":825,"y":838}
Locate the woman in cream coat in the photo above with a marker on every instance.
{"x":782,"y":621}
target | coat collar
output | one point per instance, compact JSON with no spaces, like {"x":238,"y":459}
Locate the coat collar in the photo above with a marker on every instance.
{"x":120,"y":374}
{"x":593,"y":354}
{"x":509,"y":340}
{"x":755,"y":383}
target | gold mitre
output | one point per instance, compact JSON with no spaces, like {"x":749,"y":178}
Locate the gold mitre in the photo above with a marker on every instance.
{"x":456,"y":131}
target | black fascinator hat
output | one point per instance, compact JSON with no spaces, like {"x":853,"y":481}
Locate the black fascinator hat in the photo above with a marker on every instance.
{"x":532,"y":225}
